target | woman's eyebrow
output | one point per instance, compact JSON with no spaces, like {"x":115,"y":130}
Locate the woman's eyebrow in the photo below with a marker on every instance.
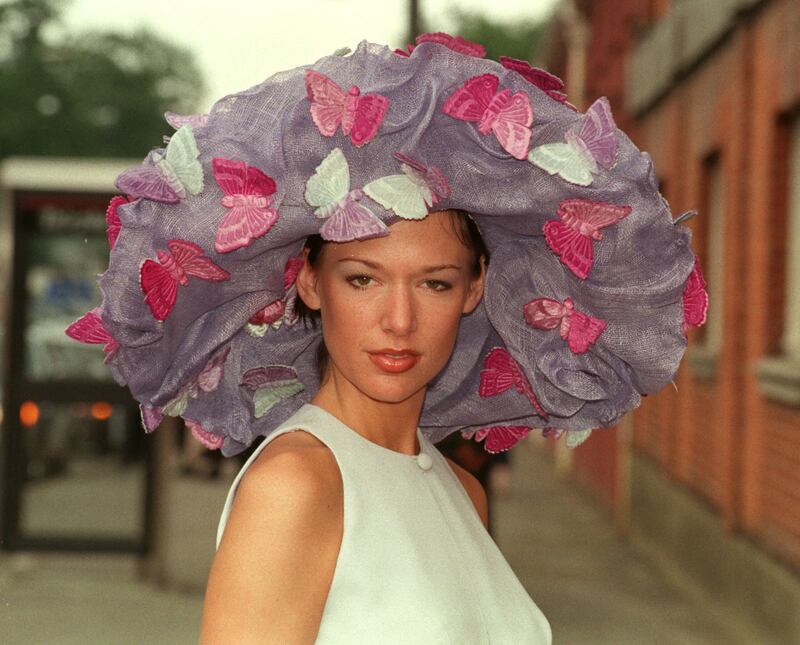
{"x":377,"y":266}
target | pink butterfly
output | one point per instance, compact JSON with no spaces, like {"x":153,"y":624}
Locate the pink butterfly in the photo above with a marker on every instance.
{"x":544,"y":80}
{"x":498,"y":438}
{"x":359,"y":115}
{"x":89,"y":328}
{"x":430,"y":175}
{"x":160,"y":280}
{"x":208,"y":439}
{"x":581,"y":221}
{"x":207,"y":381}
{"x":456,"y":43}
{"x":500,"y":372}
{"x":508,"y":116}
{"x":577,"y":328}
{"x":113,"y":225}
{"x":281,"y":311}
{"x":695,"y":298}
{"x":247,"y":194}
{"x":178,"y":120}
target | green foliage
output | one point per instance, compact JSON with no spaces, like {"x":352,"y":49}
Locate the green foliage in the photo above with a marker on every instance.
{"x":88,"y":94}
{"x":517,"y":39}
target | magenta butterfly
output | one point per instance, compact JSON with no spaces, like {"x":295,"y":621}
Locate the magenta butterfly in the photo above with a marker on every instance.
{"x":359,"y":115}
{"x":501,"y":372}
{"x":695,"y":298}
{"x":160,"y":280}
{"x":281,"y":311}
{"x":497,"y":438}
{"x":208,"y":439}
{"x":89,"y":328}
{"x":544,"y":80}
{"x":508,"y":116}
{"x":456,"y":43}
{"x":580,"y":223}
{"x":248,"y":196}
{"x":113,"y":224}
{"x":577,"y":328}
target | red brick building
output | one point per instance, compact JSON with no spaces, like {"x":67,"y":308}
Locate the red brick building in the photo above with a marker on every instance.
{"x":710,"y":473}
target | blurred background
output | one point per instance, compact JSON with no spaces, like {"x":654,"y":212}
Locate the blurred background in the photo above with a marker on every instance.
{"x":680,"y":525}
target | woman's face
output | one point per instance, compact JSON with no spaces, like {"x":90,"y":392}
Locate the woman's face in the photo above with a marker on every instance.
{"x":390,"y":306}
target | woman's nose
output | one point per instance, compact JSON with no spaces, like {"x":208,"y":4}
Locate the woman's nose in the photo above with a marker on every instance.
{"x":399,"y":313}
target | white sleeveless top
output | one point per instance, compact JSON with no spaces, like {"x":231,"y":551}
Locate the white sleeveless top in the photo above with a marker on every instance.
{"x":416,"y":565}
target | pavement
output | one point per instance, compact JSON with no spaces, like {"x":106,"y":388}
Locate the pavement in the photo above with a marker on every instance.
{"x":593,"y":587}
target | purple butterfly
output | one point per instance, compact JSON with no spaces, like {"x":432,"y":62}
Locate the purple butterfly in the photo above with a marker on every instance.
{"x":329,"y":190}
{"x":589,"y":145}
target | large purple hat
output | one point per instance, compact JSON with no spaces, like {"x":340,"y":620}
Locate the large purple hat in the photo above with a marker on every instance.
{"x":590,"y":286}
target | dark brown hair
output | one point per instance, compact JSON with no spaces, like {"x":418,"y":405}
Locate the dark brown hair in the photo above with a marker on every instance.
{"x":465,"y":229}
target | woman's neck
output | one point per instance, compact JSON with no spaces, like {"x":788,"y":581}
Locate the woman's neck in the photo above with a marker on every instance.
{"x":388,"y":424}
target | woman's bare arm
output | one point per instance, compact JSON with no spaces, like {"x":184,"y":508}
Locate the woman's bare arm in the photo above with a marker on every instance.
{"x":270,"y":577}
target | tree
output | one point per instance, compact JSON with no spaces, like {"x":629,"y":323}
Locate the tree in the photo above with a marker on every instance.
{"x":518,"y":39}
{"x":93,"y":93}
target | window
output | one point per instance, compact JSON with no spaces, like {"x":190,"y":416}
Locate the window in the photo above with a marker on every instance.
{"x":779,"y":372}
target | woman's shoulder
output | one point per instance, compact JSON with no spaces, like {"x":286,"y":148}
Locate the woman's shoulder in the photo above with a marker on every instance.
{"x":297,"y":465}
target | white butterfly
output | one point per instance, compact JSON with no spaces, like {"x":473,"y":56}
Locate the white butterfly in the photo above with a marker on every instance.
{"x":329,"y":189}
{"x":411,"y":194}
{"x":591,"y":145}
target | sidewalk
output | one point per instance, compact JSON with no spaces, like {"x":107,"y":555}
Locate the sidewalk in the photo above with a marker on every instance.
{"x":594,"y":588}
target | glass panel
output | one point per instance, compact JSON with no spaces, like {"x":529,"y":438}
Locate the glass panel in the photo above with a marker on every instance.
{"x":66,"y":250}
{"x":84,"y":471}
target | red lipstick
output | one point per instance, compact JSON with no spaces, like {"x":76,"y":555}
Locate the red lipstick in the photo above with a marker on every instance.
{"x":394,"y":361}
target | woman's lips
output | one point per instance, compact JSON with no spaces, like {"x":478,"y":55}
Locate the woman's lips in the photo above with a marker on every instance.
{"x":394,"y":362}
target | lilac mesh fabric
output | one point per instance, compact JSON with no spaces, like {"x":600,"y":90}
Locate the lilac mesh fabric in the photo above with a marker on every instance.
{"x":636,"y":283}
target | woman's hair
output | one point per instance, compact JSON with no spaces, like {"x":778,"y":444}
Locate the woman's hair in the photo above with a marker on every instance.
{"x":465,"y":229}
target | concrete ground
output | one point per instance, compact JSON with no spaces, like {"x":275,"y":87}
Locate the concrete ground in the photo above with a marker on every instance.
{"x":594,"y":588}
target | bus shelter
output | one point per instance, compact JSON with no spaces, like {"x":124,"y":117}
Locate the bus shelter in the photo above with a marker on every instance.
{"x":75,"y":468}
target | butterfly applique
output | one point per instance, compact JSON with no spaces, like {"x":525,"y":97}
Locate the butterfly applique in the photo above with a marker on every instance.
{"x":281,"y":311}
{"x":151,"y":416}
{"x":411,"y":194}
{"x":695,"y":298}
{"x":580,"y":222}
{"x":345,"y":219}
{"x":179,"y":120}
{"x":173,"y":173}
{"x":497,"y":438}
{"x":501,"y":372}
{"x":360,"y":115}
{"x":271,"y":385}
{"x":544,"y":80}
{"x":206,"y":381}
{"x":456,"y":43}
{"x":574,"y":438}
{"x":577,"y":328}
{"x":160,"y":280}
{"x":508,"y":116}
{"x":89,"y":329}
{"x":589,"y":145}
{"x":248,"y":196}
{"x":113,"y":224}
{"x":208,"y":439}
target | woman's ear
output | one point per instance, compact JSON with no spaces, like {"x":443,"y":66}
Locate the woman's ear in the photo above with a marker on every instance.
{"x":307,"y":283}
{"x":475,"y":292}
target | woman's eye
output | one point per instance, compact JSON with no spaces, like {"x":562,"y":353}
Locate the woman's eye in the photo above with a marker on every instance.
{"x":438,"y":285}
{"x":359,"y":280}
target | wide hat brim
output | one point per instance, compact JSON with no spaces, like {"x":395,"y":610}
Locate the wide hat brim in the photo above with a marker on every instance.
{"x":203,"y":361}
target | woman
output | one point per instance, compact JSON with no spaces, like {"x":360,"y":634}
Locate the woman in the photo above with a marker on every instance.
{"x":341,"y":188}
